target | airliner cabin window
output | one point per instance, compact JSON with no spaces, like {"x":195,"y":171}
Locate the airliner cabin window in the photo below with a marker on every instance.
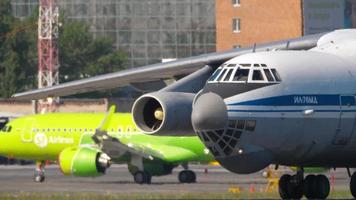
{"x":276,"y":75}
{"x":241,"y":75}
{"x":257,"y":75}
{"x":256,"y":65}
{"x":268,"y":75}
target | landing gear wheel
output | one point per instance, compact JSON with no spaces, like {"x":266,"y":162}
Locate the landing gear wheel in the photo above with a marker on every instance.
{"x":141,"y":177}
{"x":316,"y":187}
{"x":283,"y":186}
{"x":290,"y":187}
{"x":323,"y":187}
{"x":295,"y":189}
{"x":39,"y":177}
{"x":310,"y":186}
{"x":187,"y":176}
{"x":353,"y":185}
{"x":193,"y":177}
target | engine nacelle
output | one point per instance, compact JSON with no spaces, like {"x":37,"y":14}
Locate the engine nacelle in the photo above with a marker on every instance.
{"x":164,"y":113}
{"x":83,"y":161}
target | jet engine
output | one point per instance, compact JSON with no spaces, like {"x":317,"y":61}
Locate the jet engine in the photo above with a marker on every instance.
{"x":83,"y":161}
{"x":164,"y":113}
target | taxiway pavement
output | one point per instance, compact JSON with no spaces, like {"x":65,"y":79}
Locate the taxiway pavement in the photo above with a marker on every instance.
{"x":119,"y":180}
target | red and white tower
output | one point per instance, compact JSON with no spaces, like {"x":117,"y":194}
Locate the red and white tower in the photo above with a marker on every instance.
{"x":48,"y":63}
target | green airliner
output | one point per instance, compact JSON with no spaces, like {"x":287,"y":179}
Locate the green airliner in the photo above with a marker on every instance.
{"x":86,"y":144}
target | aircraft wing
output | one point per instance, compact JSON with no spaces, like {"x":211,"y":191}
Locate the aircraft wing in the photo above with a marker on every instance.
{"x":155,"y":73}
{"x":114,"y":148}
{"x":112,"y":145}
{"x":172,"y":154}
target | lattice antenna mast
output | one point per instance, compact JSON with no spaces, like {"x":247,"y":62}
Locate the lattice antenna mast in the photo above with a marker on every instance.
{"x":48,"y":64}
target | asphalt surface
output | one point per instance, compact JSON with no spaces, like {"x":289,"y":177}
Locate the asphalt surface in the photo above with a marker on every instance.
{"x":117,"y":179}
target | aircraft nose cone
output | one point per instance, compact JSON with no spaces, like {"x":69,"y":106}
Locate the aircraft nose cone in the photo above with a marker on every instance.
{"x":209,"y":112}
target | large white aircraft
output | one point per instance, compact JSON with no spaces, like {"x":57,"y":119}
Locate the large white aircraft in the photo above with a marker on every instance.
{"x":285,"y":103}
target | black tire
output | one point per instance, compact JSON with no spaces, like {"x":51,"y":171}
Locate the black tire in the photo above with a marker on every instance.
{"x":283,"y":183}
{"x":140,"y":177}
{"x":323,"y":186}
{"x":184,"y":176}
{"x":295,"y":191}
{"x":39,"y":178}
{"x":310,"y":187}
{"x":192,"y":177}
{"x":353,"y":185}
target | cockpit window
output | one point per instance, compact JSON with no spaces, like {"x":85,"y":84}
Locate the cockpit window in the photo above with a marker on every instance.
{"x":276,"y":75}
{"x":215,"y":74}
{"x":241,"y":75}
{"x":228,"y":74}
{"x":268,"y":75}
{"x":260,"y":73}
{"x":245,"y":65}
{"x":6,"y":129}
{"x":257,"y":75}
{"x":221,"y":75}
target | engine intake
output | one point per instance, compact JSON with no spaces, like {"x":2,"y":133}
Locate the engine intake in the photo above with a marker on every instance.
{"x":83,"y":161}
{"x":164,"y":113}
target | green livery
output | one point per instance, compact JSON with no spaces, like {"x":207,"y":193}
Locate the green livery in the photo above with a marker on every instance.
{"x":86,"y":144}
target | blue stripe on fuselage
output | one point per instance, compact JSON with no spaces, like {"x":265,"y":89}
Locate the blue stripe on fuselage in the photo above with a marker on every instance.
{"x":294,"y":100}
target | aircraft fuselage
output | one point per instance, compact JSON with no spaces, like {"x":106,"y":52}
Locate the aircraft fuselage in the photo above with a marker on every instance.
{"x":294,"y":108}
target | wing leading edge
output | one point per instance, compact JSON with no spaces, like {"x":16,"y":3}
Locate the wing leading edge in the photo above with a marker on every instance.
{"x":161,"y":71}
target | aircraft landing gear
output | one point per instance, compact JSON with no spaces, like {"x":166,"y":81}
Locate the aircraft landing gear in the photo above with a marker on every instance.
{"x":39,"y":175}
{"x":142,"y":177}
{"x":316,"y":187}
{"x":353,"y":184}
{"x":313,"y":187}
{"x":187,"y":176}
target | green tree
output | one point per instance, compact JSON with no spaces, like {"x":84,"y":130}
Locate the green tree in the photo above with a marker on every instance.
{"x":16,"y":72}
{"x":83,"y":56}
{"x":80,"y":54}
{"x":5,"y":19}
